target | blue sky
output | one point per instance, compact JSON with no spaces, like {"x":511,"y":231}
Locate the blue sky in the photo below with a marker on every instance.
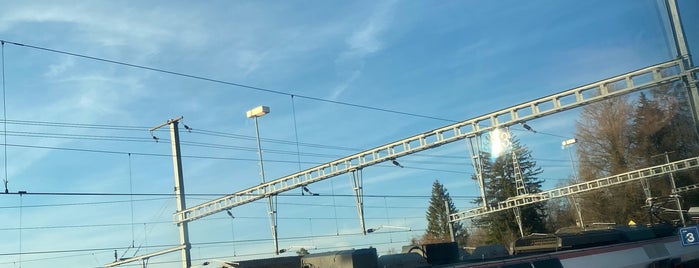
{"x":76,"y":125}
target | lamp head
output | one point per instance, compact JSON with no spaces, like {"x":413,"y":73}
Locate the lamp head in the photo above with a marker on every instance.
{"x":258,"y":111}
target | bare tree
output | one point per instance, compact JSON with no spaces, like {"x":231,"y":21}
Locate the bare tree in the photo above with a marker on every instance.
{"x":604,"y":132}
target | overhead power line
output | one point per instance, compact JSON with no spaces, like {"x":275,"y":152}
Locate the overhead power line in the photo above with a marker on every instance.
{"x":55,"y":135}
{"x":218,"y":81}
{"x":321,"y":195}
{"x":103,"y":249}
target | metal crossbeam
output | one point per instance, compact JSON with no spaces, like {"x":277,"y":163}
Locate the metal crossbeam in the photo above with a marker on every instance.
{"x":144,"y":257}
{"x":687,"y":188}
{"x":632,"y":176}
{"x":566,"y":100}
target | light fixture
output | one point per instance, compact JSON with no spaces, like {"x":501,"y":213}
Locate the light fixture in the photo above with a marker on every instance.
{"x":258,"y":111}
{"x":568,"y":142}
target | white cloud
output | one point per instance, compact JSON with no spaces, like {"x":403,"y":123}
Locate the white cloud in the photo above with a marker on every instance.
{"x":107,"y":25}
{"x":339,"y":89}
{"x":61,"y":67}
{"x":366,"y":40}
{"x":362,"y":42}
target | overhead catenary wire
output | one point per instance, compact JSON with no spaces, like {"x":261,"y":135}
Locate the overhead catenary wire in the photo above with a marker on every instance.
{"x":209,"y":145}
{"x":218,"y":81}
{"x":88,"y":203}
{"x":219,"y":146}
{"x":192,"y":156}
{"x":45,"y":134}
{"x":321,"y":195}
{"x":205,"y":243}
{"x":226,"y":147}
{"x":169,"y":223}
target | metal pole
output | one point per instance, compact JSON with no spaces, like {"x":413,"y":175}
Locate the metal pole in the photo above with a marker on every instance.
{"x":179,"y":191}
{"x":518,"y":218}
{"x":271,"y":210}
{"x":576,"y":202}
{"x":684,"y":55}
{"x":182,"y":225}
{"x":273,"y":222}
{"x":475,"y":151}
{"x":674,"y":194}
{"x":450,"y":225}
{"x":574,"y":198}
{"x":678,"y":31}
{"x":357,"y":182}
{"x":259,"y":151}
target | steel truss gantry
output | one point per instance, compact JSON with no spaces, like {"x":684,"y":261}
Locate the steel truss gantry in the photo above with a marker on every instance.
{"x":651,"y":76}
{"x":615,"y":180}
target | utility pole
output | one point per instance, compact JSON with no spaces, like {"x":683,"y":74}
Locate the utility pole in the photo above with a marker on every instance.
{"x":179,"y":189}
{"x":574,"y":198}
{"x":684,"y":55}
{"x":450,"y":225}
{"x":184,"y":246}
{"x":256,"y":112}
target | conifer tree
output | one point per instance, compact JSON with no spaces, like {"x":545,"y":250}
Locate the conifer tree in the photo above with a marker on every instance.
{"x":438,"y":220}
{"x":499,"y":176}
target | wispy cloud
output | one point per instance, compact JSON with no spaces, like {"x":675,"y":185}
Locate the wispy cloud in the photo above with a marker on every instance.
{"x":361,"y":43}
{"x":61,"y":67}
{"x":133,"y":27}
{"x":337,"y":91}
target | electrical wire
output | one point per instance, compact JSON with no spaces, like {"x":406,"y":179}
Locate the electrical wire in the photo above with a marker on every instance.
{"x":213,"y":145}
{"x":87,"y":203}
{"x":192,"y":143}
{"x":144,"y":129}
{"x":169,"y":223}
{"x":213,"y":243}
{"x":321,"y":195}
{"x":218,"y":81}
{"x":230,"y":147}
{"x":194,"y":156}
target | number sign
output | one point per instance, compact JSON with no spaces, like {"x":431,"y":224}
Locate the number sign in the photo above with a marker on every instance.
{"x":689,"y":236}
